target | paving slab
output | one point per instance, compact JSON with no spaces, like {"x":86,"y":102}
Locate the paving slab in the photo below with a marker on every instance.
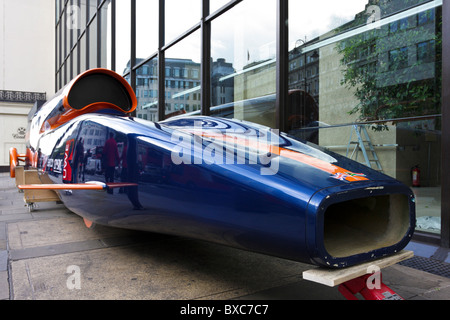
{"x":161,"y":268}
{"x":413,"y":284}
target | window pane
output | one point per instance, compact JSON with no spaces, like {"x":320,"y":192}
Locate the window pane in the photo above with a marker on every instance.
{"x":377,"y":67}
{"x":123,"y":34}
{"x":75,"y":62}
{"x":64,"y":74}
{"x":83,"y":15}
{"x":67,"y":33}
{"x":146,"y":28}
{"x":244,"y":64}
{"x":82,"y":45}
{"x":75,"y":21}
{"x":147,"y":91}
{"x":57,"y":10}
{"x":182,"y":86}
{"x":105,"y":31}
{"x":69,"y":69}
{"x":181,"y":15}
{"x":92,"y":8}
{"x":58,"y":46}
{"x":93,"y":44}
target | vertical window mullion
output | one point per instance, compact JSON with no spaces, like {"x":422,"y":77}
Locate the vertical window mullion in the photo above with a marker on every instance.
{"x":205,"y":81}
{"x":445,"y":186}
{"x":133,"y":48}
{"x":71,"y":41}
{"x":282,"y":64}
{"x":87,"y":32}
{"x":161,"y":62}
{"x":99,"y":38}
{"x":113,"y":34}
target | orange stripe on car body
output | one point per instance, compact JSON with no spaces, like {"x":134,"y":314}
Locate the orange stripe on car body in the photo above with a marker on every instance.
{"x":290,"y":154}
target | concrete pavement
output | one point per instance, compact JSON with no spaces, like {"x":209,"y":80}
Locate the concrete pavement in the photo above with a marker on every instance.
{"x":48,"y":254}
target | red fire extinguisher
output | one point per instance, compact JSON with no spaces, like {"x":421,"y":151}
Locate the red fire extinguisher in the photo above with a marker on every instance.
{"x":415,"y":174}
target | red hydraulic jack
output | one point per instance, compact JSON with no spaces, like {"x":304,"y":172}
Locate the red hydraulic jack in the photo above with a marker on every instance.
{"x":369,"y":290}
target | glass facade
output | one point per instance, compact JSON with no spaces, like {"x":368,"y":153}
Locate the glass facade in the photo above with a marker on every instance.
{"x":243,"y":53}
{"x":182,"y":90}
{"x":362,"y":78}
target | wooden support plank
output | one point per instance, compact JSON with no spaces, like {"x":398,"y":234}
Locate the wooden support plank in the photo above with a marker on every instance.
{"x":334,"y":277}
{"x":32,"y":196}
{"x":19,"y":175}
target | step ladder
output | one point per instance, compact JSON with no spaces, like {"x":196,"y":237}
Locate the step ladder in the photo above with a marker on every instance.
{"x":363,"y":144}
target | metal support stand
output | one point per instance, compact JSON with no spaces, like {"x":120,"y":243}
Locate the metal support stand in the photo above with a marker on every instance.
{"x":359,"y":285}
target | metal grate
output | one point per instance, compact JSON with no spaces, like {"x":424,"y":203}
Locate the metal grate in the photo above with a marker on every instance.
{"x":428,"y":265}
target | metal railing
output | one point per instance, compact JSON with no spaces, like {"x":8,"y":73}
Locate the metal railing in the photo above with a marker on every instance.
{"x":21,"y":96}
